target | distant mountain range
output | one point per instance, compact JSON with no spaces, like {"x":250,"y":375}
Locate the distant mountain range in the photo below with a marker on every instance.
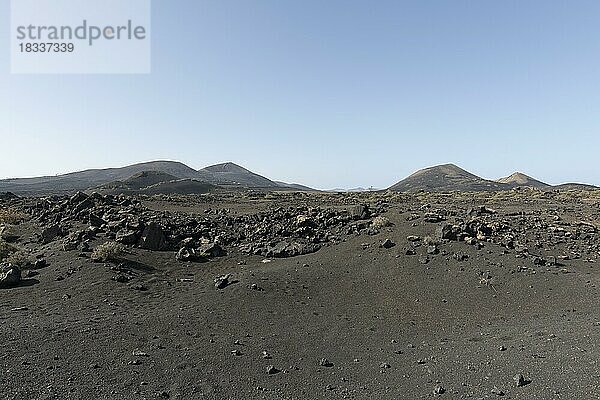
{"x":149,"y":177}
{"x":172,"y":177}
{"x":353,"y":190}
{"x":450,"y":178}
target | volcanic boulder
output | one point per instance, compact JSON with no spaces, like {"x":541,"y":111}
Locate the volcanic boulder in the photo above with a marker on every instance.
{"x":445,"y":232}
{"x":10,"y":276}
{"x":153,"y":238}
{"x":359,"y":212}
{"x":51,"y":233}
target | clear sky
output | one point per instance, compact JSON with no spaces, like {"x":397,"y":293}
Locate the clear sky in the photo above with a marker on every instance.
{"x":328,"y":93}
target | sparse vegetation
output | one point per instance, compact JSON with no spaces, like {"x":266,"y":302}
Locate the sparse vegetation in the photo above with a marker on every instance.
{"x":12,"y":216}
{"x":429,"y":241}
{"x":485,"y":279}
{"x":19,"y":258}
{"x":334,"y":253}
{"x":109,"y":251}
{"x":6,"y":250}
{"x":380,"y":222}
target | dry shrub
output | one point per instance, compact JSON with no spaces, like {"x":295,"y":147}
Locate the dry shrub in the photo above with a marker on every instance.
{"x":6,"y":250}
{"x":109,"y":251}
{"x":12,"y":216}
{"x":380,"y":222}
{"x":19,"y":258}
{"x":429,"y":241}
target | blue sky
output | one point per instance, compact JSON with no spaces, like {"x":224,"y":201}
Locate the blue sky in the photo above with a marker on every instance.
{"x":334,"y":93}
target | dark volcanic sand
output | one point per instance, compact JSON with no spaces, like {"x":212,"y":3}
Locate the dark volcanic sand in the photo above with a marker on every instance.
{"x":390,"y":326}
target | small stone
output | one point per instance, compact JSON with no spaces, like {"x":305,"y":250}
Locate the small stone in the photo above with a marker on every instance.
{"x":432,"y":249}
{"x":121,"y":278}
{"x":445,"y":231}
{"x":139,"y":353}
{"x":271,"y":370}
{"x":185,"y":254}
{"x":10,"y":276}
{"x":470,"y":240}
{"x":387,"y":244}
{"x":222,"y":282}
{"x":520,"y":380}
{"x":140,"y":287}
{"x":31,"y":274}
{"x":439,"y":390}
{"x":325,"y":363}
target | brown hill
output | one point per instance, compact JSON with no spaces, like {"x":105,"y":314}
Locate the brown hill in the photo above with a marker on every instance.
{"x":445,"y":178}
{"x":232,"y":174}
{"x":520,"y":179}
{"x":91,"y":178}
